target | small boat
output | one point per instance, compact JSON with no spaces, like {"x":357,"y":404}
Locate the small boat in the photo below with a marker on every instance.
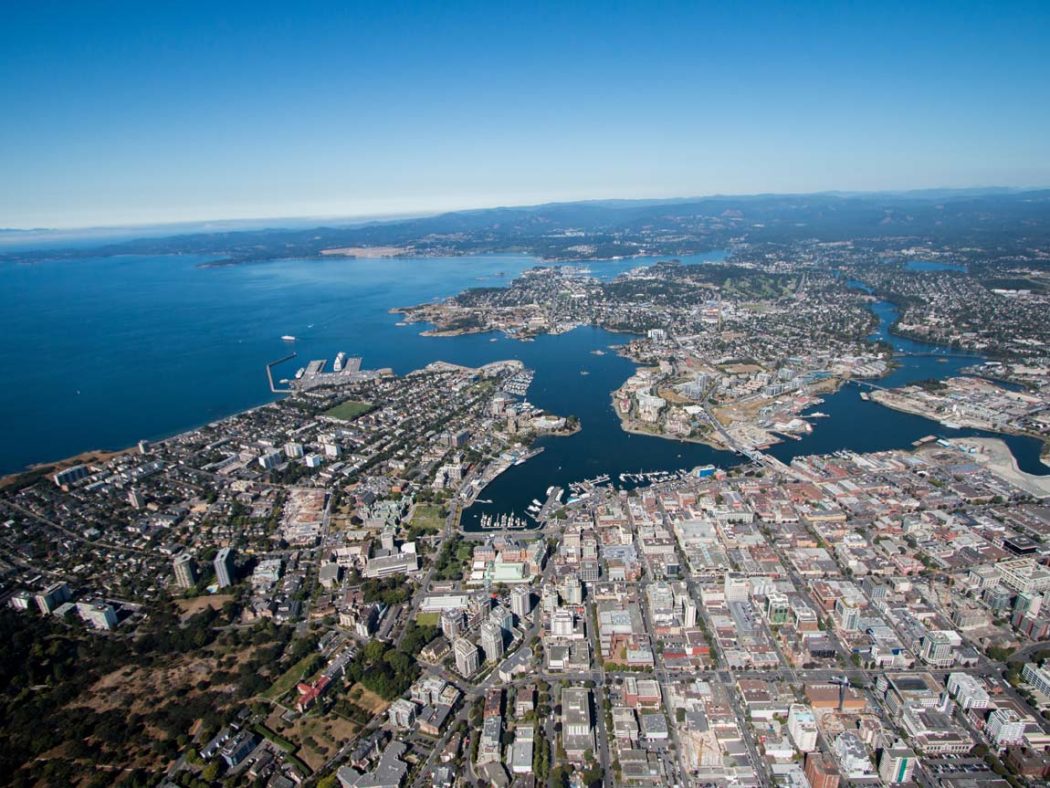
{"x":288,"y":338}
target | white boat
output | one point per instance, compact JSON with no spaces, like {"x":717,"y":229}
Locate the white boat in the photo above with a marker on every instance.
{"x":288,"y":338}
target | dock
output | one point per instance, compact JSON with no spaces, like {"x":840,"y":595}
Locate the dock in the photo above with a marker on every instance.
{"x":269,"y":373}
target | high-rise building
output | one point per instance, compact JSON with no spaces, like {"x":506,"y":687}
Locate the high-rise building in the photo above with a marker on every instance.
{"x":1028,"y":602}
{"x":1005,"y":727}
{"x":803,"y":728}
{"x":70,"y":475}
{"x":572,"y":590}
{"x":939,"y":646}
{"x":224,"y":567}
{"x":969,"y":691}
{"x":778,"y":608}
{"x":136,"y":499}
{"x":492,"y":641}
{"x":1038,"y":677}
{"x":689,"y":611}
{"x":185,"y":571}
{"x":271,"y":459}
{"x":896,"y":764}
{"x":503,"y":618}
{"x":549,"y":599}
{"x":849,"y":612}
{"x":53,"y":596}
{"x":562,"y":623}
{"x":451,"y":623}
{"x":99,"y":614}
{"x":293,"y":450}
{"x":521,"y":601}
{"x":466,"y":656}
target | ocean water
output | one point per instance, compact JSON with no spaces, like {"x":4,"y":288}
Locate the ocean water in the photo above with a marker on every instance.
{"x":100,"y":353}
{"x":103,"y":352}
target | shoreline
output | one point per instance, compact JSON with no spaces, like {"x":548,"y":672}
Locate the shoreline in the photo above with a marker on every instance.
{"x":996,"y":455}
{"x":878,"y":397}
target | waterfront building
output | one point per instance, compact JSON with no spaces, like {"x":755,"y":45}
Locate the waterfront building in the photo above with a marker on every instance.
{"x":70,"y":475}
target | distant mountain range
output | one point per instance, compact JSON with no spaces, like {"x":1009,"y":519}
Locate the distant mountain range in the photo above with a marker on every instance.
{"x":1001,"y":218}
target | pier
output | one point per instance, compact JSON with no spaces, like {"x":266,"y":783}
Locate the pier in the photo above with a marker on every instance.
{"x":269,"y":373}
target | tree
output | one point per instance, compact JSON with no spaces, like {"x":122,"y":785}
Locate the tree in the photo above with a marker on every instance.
{"x":211,"y":771}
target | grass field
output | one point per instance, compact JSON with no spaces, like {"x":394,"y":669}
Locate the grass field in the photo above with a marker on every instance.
{"x":428,"y":619}
{"x":349,"y":410}
{"x":291,"y":677}
{"x":189,"y":607}
{"x":428,"y":515}
{"x":367,"y":700}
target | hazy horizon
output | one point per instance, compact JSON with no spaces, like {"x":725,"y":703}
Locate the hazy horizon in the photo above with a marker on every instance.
{"x":235,"y":223}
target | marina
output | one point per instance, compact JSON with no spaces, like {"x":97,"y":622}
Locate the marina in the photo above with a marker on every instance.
{"x":503,"y":522}
{"x":650,"y":477}
{"x":518,"y":385}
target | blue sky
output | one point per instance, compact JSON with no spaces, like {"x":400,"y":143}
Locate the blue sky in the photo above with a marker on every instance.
{"x":117,"y":113}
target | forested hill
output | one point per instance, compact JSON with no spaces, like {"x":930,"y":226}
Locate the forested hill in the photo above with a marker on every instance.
{"x":999,"y":219}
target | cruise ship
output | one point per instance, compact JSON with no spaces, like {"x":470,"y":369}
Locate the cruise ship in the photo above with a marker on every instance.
{"x":340,"y":358}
